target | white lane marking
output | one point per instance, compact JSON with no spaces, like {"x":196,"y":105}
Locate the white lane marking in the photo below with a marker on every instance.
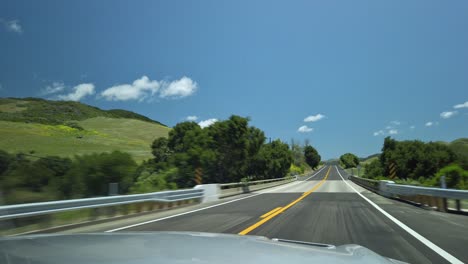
{"x":416,"y":235}
{"x":294,"y":183}
{"x":204,"y":208}
{"x":171,"y":216}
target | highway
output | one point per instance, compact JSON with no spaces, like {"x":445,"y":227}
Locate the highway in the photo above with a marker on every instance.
{"x":325,"y":208}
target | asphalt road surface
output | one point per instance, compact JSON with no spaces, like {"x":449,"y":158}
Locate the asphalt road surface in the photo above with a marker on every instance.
{"x":324,"y":208}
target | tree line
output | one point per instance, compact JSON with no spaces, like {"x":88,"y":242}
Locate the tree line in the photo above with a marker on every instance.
{"x":421,"y":163}
{"x":227,"y":151}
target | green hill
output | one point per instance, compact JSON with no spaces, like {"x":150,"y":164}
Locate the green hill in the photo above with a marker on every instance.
{"x":37,"y":110}
{"x":44,"y":127}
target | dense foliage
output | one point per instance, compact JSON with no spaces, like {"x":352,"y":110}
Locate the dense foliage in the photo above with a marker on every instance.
{"x":227,"y":151}
{"x":349,"y":160}
{"x":419,"y":162}
{"x":312,"y":157}
{"x":36,"y":110}
{"x":299,"y":164}
{"x":26,"y":178}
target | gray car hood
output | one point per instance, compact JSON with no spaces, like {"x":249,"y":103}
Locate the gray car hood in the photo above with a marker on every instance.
{"x":174,"y":247}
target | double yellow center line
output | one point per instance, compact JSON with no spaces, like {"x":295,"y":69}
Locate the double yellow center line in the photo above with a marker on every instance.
{"x":271,"y":214}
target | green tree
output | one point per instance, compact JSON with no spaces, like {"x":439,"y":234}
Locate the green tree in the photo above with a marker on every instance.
{"x":373,"y":170}
{"x":312,"y":157}
{"x":455,"y":177}
{"x":161,"y":150}
{"x":273,"y":160}
{"x":190,"y":145}
{"x":34,"y":181}
{"x":349,"y":160}
{"x":91,"y":174}
{"x":149,"y":181}
{"x":230,"y":143}
{"x":460,"y":148}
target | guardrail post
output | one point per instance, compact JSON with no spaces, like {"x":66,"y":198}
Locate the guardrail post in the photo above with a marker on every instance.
{"x":211,"y":192}
{"x":383,"y":189}
{"x":443,"y":185}
{"x":458,"y":205}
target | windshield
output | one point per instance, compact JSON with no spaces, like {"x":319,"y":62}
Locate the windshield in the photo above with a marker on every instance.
{"x":318,"y":124}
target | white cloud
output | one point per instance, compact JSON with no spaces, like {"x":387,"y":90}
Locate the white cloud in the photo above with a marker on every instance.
{"x":388,"y":127}
{"x":178,"y":89}
{"x":55,"y":87}
{"x":12,"y":26}
{"x":191,"y":118}
{"x":464,"y":105}
{"x":448,"y":114}
{"x":412,"y":127}
{"x":379,"y":133}
{"x":305,"y":129}
{"x":395,"y":123}
{"x":207,"y":123}
{"x":428,"y":124}
{"x":314,"y":118}
{"x":79,"y":92}
{"x":144,"y":89}
{"x":139,"y":90}
{"x":393,"y":132}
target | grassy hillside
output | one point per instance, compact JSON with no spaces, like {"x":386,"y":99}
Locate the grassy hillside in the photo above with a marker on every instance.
{"x":36,"y":110}
{"x":68,"y":128}
{"x":101,"y":134}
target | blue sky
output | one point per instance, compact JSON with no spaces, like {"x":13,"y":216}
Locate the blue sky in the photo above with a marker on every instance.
{"x":370,"y":68}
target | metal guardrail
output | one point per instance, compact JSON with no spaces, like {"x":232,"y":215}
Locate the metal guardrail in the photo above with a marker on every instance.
{"x":417,"y":190}
{"x":229,"y":189}
{"x":366,"y":183}
{"x":434,"y":197}
{"x":32,"y":209}
{"x":43,"y":208}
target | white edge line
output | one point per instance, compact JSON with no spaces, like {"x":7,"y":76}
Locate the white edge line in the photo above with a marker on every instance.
{"x":204,"y":208}
{"x":416,"y":235}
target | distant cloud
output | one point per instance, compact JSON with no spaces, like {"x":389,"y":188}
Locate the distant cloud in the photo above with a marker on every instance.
{"x":140,"y":90}
{"x":145,"y":89}
{"x":393,"y":132}
{"x":428,"y":124}
{"x":12,"y":25}
{"x":305,"y":129}
{"x":395,"y":123}
{"x":464,"y":105}
{"x":448,"y":114}
{"x":412,"y":127}
{"x":79,"y":92}
{"x":388,"y":127}
{"x":207,"y":123}
{"x":379,"y":133}
{"x":178,"y":89}
{"x":314,"y":118}
{"x":191,"y":118}
{"x":55,"y":87}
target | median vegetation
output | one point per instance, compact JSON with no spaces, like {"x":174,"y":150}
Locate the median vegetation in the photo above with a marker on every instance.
{"x":227,"y":151}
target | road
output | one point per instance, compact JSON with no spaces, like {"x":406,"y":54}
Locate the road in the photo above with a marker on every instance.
{"x":325,"y":208}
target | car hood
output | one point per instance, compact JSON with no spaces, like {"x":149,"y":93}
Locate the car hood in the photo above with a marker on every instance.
{"x":175,"y":247}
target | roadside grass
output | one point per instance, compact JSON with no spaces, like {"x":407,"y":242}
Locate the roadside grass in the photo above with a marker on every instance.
{"x":101,"y":134}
